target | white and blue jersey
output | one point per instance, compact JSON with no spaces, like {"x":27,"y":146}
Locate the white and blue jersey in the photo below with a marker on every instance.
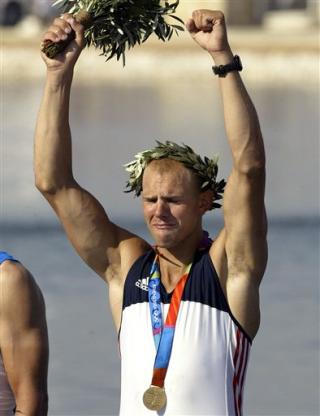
{"x":207,"y":368}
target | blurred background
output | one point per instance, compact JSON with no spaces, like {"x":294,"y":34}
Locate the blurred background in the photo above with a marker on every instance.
{"x":168,"y":91}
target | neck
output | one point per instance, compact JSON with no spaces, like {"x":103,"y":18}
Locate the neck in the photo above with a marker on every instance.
{"x":174,"y":260}
{"x":182,"y":253}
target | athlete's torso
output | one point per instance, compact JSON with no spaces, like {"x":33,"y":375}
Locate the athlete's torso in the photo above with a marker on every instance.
{"x":7,"y":402}
{"x":210,"y":351}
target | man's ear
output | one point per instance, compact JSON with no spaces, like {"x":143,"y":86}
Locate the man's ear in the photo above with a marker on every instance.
{"x":206,"y":198}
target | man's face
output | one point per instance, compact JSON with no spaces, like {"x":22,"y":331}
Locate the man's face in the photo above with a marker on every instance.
{"x":171,"y":202}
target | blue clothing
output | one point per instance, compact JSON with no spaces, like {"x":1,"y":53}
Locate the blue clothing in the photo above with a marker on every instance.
{"x":6,"y":256}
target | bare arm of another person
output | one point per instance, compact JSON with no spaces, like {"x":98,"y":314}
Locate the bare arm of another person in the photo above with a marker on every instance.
{"x":105,"y":247}
{"x":240,"y":251}
{"x":24,"y":339}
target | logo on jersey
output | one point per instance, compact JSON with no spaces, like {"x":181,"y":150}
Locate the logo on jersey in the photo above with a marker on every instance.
{"x":143,"y":284}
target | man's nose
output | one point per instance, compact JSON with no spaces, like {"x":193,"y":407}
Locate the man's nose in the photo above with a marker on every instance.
{"x":161,"y":208}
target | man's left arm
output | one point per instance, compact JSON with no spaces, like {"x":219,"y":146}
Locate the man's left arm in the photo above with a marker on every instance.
{"x":244,"y":236}
{"x":24,"y":339}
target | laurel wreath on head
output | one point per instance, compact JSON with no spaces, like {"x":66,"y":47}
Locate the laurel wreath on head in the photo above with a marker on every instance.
{"x":205,"y":169}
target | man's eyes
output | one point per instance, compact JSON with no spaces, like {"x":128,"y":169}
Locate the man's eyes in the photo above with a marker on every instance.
{"x":168,"y":200}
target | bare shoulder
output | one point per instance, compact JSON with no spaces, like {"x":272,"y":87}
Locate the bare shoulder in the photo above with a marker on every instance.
{"x":15,"y":276}
{"x":19,"y":290}
{"x":131,"y":248}
{"x":24,"y":341}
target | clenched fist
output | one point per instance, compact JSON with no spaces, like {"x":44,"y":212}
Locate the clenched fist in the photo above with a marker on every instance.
{"x":208,"y":29}
{"x":59,"y":30}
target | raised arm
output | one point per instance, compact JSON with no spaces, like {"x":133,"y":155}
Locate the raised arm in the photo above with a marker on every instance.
{"x":241,"y":250}
{"x":106,"y":248}
{"x":24,"y":339}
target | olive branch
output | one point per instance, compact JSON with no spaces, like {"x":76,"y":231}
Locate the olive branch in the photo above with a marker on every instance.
{"x":113,"y":26}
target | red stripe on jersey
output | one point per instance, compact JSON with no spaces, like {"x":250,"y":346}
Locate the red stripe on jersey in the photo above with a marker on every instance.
{"x":240,"y":364}
{"x":243,"y":373}
{"x":235,"y":361}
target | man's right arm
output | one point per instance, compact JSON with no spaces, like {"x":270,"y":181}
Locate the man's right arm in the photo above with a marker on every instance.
{"x":97,"y":240}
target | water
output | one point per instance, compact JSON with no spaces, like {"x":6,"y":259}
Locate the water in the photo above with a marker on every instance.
{"x":110,"y":124}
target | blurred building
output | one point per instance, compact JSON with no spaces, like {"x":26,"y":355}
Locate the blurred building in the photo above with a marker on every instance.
{"x":13,"y":11}
{"x":238,"y":12}
{"x":255,"y":12}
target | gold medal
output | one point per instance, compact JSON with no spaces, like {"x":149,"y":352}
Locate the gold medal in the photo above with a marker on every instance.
{"x":155,"y":398}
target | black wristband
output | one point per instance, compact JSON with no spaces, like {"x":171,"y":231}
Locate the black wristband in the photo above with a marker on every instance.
{"x":234,"y":65}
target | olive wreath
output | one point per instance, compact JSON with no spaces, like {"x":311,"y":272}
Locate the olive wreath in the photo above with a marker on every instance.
{"x":205,"y":169}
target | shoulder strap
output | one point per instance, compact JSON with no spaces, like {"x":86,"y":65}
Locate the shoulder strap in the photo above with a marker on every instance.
{"x":6,"y":256}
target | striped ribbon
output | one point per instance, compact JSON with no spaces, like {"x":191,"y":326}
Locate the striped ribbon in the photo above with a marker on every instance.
{"x":163,"y":335}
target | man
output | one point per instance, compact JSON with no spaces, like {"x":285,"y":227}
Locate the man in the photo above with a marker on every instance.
{"x":195,"y":362}
{"x":23,"y":342}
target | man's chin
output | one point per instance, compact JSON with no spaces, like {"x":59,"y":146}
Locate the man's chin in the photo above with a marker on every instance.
{"x":164,"y":241}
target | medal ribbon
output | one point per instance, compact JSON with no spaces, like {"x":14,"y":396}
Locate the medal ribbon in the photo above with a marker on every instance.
{"x":163,"y":335}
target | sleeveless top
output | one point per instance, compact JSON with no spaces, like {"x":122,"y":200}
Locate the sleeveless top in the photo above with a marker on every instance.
{"x":210,"y":352}
{"x":7,"y":402}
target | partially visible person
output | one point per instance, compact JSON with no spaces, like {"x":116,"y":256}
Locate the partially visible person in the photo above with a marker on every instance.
{"x":24,"y":349}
